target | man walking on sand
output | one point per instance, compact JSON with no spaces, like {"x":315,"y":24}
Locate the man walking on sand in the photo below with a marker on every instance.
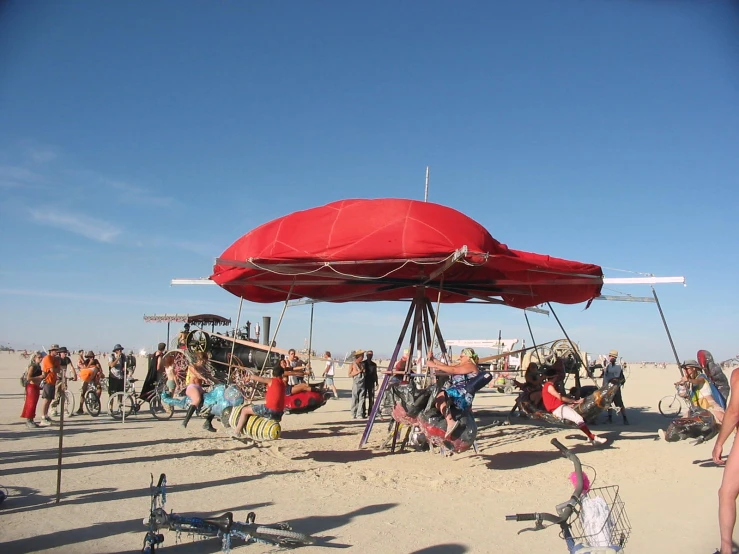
{"x":614,"y":371}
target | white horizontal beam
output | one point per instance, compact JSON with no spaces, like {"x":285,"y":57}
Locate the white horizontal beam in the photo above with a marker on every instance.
{"x":642,"y":280}
{"x":627,"y":298}
{"x":201,"y":281}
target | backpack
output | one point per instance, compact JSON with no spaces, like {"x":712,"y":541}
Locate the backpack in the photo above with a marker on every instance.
{"x":24,"y":381}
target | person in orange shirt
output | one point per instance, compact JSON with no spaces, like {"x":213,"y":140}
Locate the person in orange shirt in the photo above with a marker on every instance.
{"x":90,"y":373}
{"x":50,"y":368}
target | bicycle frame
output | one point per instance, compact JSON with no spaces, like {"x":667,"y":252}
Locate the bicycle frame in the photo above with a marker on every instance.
{"x":564,"y":511}
{"x":223,"y":526}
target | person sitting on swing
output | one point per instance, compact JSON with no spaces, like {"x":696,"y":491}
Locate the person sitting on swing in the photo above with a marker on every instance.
{"x":557,"y":404}
{"x":455,"y":389}
{"x":287,"y":372}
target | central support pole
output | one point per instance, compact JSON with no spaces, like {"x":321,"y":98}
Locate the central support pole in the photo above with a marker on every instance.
{"x":417,"y":305}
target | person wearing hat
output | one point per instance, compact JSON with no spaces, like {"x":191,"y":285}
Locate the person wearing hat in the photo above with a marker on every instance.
{"x":65,"y":365}
{"x":614,"y":371}
{"x":50,"y":368}
{"x":33,"y":382}
{"x":116,"y":370}
{"x":182,"y":336}
{"x":90,"y":372}
{"x":704,"y":394}
{"x":356,"y":372}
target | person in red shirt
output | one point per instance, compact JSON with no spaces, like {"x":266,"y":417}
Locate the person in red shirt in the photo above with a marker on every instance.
{"x":557,"y":405}
{"x":274,"y":400}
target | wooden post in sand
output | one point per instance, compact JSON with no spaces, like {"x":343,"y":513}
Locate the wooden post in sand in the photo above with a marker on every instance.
{"x":61,"y":438}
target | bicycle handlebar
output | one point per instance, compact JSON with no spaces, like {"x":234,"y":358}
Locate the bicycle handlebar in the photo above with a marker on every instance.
{"x":564,"y":510}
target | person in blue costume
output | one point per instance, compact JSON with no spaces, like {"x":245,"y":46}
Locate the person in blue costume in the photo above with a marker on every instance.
{"x":455,"y":389}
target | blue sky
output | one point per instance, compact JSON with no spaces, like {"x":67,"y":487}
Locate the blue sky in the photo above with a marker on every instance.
{"x":139,"y":139}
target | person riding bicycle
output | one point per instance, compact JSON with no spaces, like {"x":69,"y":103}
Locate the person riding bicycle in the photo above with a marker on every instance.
{"x":274,"y":400}
{"x":455,"y":389}
{"x":557,"y":404}
{"x":90,"y":372}
{"x":195,"y":381}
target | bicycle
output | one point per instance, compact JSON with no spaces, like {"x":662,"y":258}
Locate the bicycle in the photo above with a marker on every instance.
{"x":599,"y":523}
{"x":671,"y":406}
{"x":61,"y":389}
{"x":91,"y":398}
{"x":223,"y":526}
{"x":130,"y":402}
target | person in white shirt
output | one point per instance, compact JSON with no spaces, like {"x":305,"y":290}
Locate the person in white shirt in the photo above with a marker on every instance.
{"x":328,"y":374}
{"x":614,"y":371}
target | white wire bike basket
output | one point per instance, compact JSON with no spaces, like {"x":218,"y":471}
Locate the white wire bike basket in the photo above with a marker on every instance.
{"x":602,"y":519}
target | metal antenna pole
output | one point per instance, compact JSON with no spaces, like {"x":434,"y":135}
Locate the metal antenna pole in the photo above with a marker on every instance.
{"x":533,"y":340}
{"x":310,"y":342}
{"x":426,"y":190}
{"x":233,"y":343}
{"x":667,"y":329}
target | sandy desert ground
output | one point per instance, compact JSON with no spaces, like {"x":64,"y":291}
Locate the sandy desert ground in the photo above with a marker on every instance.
{"x":364,"y":500}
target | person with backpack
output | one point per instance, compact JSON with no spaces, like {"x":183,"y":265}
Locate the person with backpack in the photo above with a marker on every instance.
{"x":714,"y":372}
{"x":32,"y":383}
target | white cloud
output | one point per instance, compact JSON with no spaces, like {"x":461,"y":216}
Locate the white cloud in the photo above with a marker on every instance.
{"x":88,"y":227}
{"x":42,"y":154}
{"x":12,"y":176}
{"x":139,"y":195}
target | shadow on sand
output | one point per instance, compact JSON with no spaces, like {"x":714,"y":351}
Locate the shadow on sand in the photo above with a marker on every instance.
{"x":24,"y":499}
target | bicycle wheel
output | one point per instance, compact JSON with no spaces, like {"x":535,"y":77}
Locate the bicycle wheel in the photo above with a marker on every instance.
{"x":159,"y":410}
{"x":670,"y":406}
{"x":282,"y":536}
{"x":119,"y":403}
{"x":92,"y":403}
{"x":68,"y":406}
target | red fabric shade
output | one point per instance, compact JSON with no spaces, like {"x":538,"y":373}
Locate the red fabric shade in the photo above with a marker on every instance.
{"x":370,"y":250}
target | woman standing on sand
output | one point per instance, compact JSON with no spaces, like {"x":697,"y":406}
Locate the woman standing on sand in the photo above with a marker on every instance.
{"x":33,"y":384}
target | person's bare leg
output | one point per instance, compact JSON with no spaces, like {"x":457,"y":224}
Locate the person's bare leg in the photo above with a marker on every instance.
{"x":245,"y":413}
{"x":443,"y":407}
{"x":301,"y":387}
{"x":727,"y":495}
{"x":45,"y":408}
{"x":336,"y":392}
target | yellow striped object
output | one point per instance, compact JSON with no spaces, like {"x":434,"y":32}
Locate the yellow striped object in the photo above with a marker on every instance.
{"x":257,"y":427}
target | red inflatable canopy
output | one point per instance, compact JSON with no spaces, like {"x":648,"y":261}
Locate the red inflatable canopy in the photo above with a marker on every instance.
{"x":370,"y":250}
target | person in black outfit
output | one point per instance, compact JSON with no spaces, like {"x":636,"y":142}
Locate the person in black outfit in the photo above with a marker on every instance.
{"x":370,"y":382}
